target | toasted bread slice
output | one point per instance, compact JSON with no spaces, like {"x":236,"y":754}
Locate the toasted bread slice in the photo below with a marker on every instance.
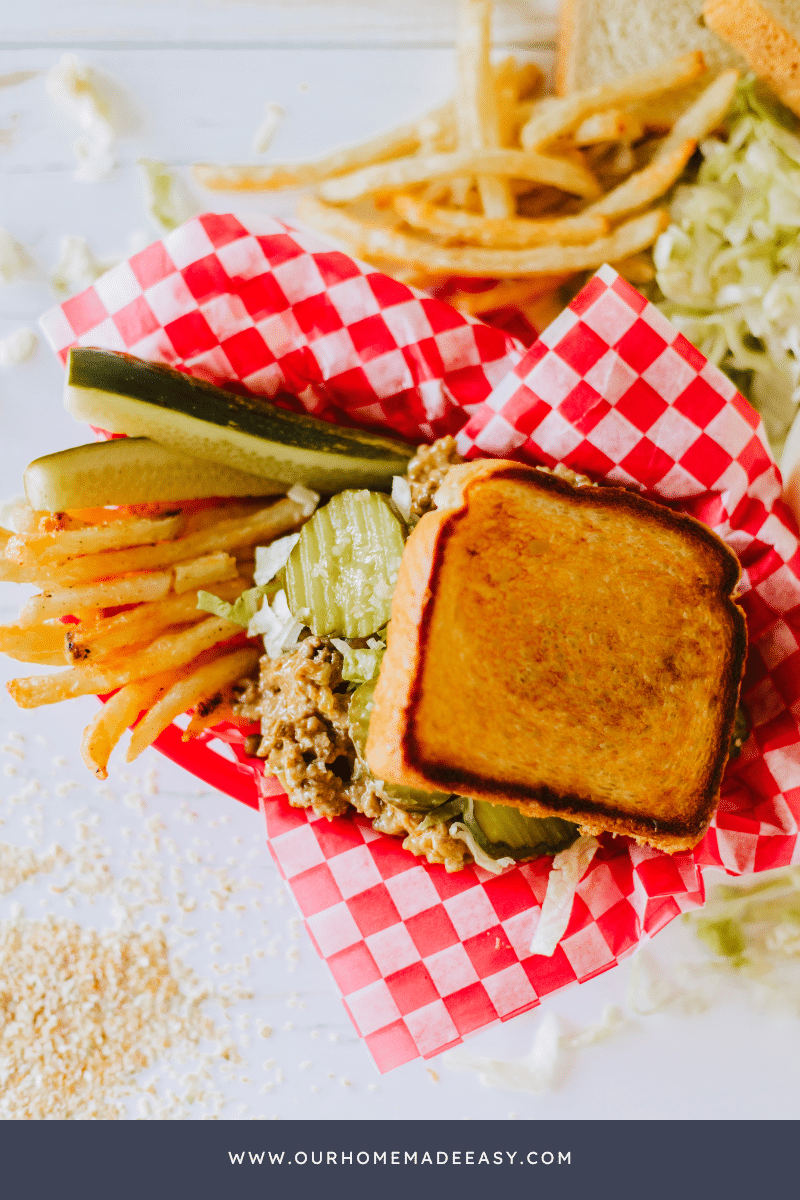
{"x":767,"y":34}
{"x":574,"y":651}
{"x":600,"y":41}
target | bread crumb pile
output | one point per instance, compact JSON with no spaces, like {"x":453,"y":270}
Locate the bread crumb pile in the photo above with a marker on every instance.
{"x":82,"y":1013}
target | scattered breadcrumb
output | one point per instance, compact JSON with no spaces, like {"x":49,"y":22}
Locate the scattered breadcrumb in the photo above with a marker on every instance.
{"x":83,"y":1013}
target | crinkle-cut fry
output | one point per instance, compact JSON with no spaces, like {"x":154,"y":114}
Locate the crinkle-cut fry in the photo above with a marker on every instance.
{"x":455,"y":225}
{"x":44,"y":645}
{"x":513,"y":164}
{"x":395,"y":143}
{"x":188,"y":692}
{"x":170,"y":650}
{"x":265,"y":524}
{"x":477,"y":109}
{"x":511,"y":293}
{"x":561,"y":116}
{"x":50,"y":548}
{"x":366,"y":240}
{"x":107,"y":593}
{"x":117,"y":714}
{"x":611,"y":125}
{"x":198,"y":572}
{"x":100,"y":639}
{"x":672,"y":156}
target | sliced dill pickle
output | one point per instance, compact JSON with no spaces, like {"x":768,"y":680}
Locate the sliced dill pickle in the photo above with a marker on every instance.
{"x":503,"y":830}
{"x":341,"y":575}
{"x":409,"y":799}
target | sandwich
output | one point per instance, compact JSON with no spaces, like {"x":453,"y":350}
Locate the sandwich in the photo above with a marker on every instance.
{"x":571,"y":651}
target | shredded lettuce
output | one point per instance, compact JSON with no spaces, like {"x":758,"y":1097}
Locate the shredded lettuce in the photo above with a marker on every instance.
{"x":15,"y":262}
{"x":167,"y":196}
{"x":83,"y":94}
{"x":360,"y":665}
{"x":77,"y":266}
{"x":262,"y":139}
{"x":17,"y":346}
{"x":273,"y":558}
{"x":241,"y":611}
{"x":569,"y":868}
{"x":728,"y":266}
{"x":280,"y":629}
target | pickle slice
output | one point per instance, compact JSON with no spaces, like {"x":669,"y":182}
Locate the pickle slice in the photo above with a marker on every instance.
{"x":503,"y":831}
{"x":409,"y":799}
{"x":341,"y":575}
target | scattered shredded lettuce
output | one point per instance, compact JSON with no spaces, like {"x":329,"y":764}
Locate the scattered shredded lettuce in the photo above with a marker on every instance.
{"x":273,"y":558}
{"x":305,"y":497}
{"x":360,"y":665}
{"x":17,"y":346}
{"x":168,"y":198}
{"x":280,"y":629}
{"x":569,"y":868}
{"x":80,"y":92}
{"x":262,"y":139}
{"x":15,"y":262}
{"x":241,"y":611}
{"x":77,"y":266}
{"x":539,"y":1071}
{"x":463,"y":833}
{"x":401,"y":496}
{"x":728,"y":267}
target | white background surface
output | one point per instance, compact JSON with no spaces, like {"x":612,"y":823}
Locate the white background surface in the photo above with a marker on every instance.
{"x":200,"y":75}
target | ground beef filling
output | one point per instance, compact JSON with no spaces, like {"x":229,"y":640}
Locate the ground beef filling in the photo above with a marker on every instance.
{"x":426,"y":471}
{"x":305,"y":739}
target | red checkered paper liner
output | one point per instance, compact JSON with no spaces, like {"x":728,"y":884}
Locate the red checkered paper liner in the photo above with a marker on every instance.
{"x":423,"y":958}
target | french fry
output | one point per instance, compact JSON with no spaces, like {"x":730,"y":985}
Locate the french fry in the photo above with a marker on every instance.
{"x":108,"y":593}
{"x":641,"y":188}
{"x":559,"y":117}
{"x":477,"y":111}
{"x":366,"y":240}
{"x":188,"y":692}
{"x":57,"y":547}
{"x":211,"y":568}
{"x":41,"y":644}
{"x":647,"y":185}
{"x":263,"y":525}
{"x":100,"y":639}
{"x":510,"y":293}
{"x":611,"y":125}
{"x":173,"y":650}
{"x":403,"y":140}
{"x":514,"y":164}
{"x":454,"y":225}
{"x":103,"y":733}
{"x":209,"y":712}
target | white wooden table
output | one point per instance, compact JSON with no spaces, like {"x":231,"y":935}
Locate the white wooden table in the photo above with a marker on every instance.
{"x":201,"y":74}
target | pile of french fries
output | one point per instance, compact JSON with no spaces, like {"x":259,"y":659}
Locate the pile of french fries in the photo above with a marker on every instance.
{"x":155,"y":650}
{"x":504,"y":183}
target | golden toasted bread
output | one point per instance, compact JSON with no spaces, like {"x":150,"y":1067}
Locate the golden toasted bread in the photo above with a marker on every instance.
{"x":573,"y":651}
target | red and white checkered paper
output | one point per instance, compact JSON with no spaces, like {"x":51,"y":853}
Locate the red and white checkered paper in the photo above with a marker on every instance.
{"x":423,"y":958}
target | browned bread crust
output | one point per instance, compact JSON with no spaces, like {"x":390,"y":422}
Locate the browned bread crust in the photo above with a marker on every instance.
{"x":771,"y":50}
{"x":571,"y":651}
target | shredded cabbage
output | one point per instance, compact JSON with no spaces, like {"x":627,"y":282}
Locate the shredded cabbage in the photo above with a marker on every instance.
{"x":17,"y":346}
{"x":569,"y":868}
{"x":729,"y":264}
{"x":360,"y":665}
{"x":168,"y":198}
{"x":273,"y":558}
{"x":15,"y":262}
